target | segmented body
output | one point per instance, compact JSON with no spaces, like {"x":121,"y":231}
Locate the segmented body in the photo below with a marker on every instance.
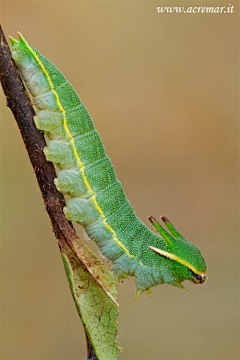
{"x":97,"y":201}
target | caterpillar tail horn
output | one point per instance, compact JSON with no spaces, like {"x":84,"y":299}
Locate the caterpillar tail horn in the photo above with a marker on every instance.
{"x":13,"y":41}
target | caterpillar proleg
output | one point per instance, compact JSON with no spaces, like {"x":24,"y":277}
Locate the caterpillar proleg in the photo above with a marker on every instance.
{"x":97,"y":200}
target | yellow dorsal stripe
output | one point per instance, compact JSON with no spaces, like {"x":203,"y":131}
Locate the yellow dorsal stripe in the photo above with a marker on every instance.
{"x":175,"y":258}
{"x":75,"y":151}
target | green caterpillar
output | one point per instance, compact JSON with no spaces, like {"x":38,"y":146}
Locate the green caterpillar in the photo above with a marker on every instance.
{"x":98,"y":201}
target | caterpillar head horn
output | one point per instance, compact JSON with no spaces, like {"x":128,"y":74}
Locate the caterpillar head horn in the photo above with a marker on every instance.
{"x":181,"y":251}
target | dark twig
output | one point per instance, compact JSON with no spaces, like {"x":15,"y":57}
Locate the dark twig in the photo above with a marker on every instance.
{"x":91,"y":354}
{"x":19,"y":103}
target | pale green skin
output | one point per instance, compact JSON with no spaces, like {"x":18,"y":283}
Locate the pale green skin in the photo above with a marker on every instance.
{"x":129,"y":249}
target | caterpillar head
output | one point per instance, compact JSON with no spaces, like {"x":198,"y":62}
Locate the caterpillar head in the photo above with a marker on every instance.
{"x":188,"y":258}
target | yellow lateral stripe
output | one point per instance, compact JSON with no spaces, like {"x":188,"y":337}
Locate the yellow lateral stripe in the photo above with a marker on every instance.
{"x":76,"y":154}
{"x":174,"y":257}
{"x":109,"y":227}
{"x":84,"y":176}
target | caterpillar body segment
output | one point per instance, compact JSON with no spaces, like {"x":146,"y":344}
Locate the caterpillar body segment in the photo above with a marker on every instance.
{"x":98,"y":201}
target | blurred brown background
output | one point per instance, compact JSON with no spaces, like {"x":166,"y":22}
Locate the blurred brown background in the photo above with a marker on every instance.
{"x":162,"y":90}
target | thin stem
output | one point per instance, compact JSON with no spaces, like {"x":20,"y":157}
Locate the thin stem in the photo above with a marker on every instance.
{"x":19,"y":103}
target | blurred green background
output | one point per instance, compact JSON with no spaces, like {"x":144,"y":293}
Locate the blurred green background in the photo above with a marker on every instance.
{"x":162,"y":90}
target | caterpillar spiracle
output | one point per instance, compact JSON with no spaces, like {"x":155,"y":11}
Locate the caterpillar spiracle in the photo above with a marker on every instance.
{"x":97,"y":200}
